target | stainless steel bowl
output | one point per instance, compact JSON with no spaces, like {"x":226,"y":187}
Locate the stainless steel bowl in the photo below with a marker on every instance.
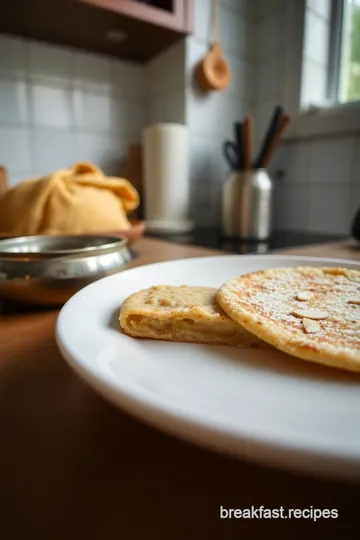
{"x":48,"y":270}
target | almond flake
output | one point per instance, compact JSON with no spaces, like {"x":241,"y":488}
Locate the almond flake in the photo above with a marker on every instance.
{"x":310,"y":326}
{"x":354,"y":300}
{"x":304,"y":295}
{"x":315,"y":314}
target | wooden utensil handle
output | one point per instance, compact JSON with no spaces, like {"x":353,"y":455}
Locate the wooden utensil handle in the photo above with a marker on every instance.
{"x":4,"y":185}
{"x":215,"y":22}
{"x":275,"y":140}
{"x":239,"y":143}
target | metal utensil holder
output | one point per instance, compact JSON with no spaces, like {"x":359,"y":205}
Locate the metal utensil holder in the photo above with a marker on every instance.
{"x":247,"y":201}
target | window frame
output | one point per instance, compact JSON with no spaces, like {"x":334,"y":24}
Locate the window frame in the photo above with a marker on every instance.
{"x":335,"y":50}
{"x":333,"y":118}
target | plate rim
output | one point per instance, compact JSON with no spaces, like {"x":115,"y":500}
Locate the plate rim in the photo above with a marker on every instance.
{"x":257,"y":449}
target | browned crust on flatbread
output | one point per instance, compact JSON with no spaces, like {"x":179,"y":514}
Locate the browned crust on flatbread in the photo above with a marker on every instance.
{"x":263,"y":302}
{"x":183,"y":314}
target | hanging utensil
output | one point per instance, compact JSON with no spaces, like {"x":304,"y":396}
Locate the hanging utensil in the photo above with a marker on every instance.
{"x":231,"y":153}
{"x":213,"y":72}
{"x":238,"y":131}
{"x":272,"y":127}
{"x":247,"y":142}
{"x":275,"y":140}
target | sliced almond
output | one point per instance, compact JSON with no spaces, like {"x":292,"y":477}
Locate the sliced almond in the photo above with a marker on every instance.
{"x":354,"y":300}
{"x":304,"y":295}
{"x":315,"y":314}
{"x":310,"y":326}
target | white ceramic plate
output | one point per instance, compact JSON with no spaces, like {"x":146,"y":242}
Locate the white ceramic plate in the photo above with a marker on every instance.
{"x":260,"y":405}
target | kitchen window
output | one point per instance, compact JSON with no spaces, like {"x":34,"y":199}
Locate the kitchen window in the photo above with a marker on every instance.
{"x":344,"y":60}
{"x":323,"y":67}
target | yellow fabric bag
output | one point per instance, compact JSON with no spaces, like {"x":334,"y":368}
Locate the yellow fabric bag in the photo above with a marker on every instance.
{"x":80,"y":199}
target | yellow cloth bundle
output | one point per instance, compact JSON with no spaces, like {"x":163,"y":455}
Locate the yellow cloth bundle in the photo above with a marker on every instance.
{"x":80,"y":199}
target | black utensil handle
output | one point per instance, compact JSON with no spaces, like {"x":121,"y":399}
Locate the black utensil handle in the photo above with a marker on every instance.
{"x":274,"y":122}
{"x":355,"y":227}
{"x":231,"y":154}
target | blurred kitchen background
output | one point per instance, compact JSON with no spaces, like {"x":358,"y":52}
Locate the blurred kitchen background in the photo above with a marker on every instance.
{"x":81,"y":81}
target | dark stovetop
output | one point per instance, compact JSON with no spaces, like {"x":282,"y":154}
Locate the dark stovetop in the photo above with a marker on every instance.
{"x":212,"y":238}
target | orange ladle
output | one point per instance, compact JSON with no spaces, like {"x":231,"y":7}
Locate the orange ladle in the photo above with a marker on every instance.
{"x":213,"y":72}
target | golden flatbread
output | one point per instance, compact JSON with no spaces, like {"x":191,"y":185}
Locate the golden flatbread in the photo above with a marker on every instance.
{"x":186,"y":314}
{"x":311,"y":313}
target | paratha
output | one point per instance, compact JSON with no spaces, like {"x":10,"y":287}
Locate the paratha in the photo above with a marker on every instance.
{"x":311,"y":313}
{"x":183,"y":314}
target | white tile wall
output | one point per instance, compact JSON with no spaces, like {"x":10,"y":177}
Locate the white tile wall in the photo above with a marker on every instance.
{"x":269,"y":35}
{"x":203,"y":158}
{"x":329,"y":209}
{"x":242,"y":6}
{"x":205,"y":203}
{"x":241,"y":83}
{"x":268,"y":79}
{"x":13,"y":101}
{"x":91,"y":71}
{"x":127,"y":118}
{"x":210,"y":116}
{"x":233,"y":33}
{"x":202,"y":20}
{"x":52,"y":149}
{"x":264,"y":8}
{"x":103,"y":149}
{"x":329,"y":193}
{"x":92,"y":146}
{"x":165,"y":83}
{"x":227,"y":111}
{"x":165,"y":73}
{"x":354,"y":201}
{"x":49,"y":62}
{"x":169,"y":108}
{"x":202,"y":112}
{"x":268,"y":63}
{"x":291,"y":207}
{"x":127,"y":81}
{"x":195,"y":52}
{"x":294,"y":162}
{"x":332,"y":161}
{"x":251,"y":39}
{"x":59,"y":105}
{"x":355,"y":179}
{"x":206,"y":175}
{"x":12,"y":55}
{"x":94,"y":111}
{"x":15,"y":148}
{"x":318,"y":190}
{"x":51,"y":106}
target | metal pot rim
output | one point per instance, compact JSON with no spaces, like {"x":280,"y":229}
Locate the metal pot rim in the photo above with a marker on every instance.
{"x":64,"y":246}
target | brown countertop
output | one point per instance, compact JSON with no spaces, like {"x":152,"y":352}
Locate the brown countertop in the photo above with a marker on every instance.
{"x":73,"y":466}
